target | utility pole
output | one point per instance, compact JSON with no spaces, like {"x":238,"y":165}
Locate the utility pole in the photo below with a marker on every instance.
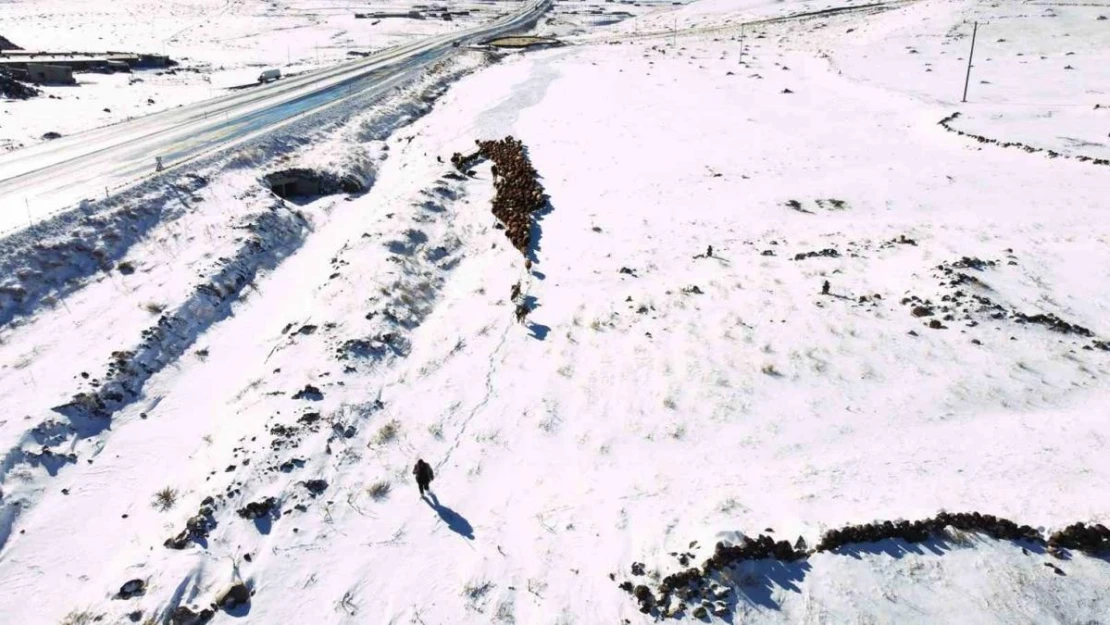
{"x":741,"y":44}
{"x":967,"y":80}
{"x":674,"y":34}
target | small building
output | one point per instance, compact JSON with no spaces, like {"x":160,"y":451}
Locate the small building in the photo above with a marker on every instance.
{"x":50,"y":74}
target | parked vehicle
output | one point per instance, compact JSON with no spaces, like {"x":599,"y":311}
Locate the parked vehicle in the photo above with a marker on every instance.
{"x":268,"y":75}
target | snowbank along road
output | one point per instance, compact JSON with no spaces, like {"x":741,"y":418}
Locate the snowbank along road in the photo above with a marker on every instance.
{"x":39,"y":181}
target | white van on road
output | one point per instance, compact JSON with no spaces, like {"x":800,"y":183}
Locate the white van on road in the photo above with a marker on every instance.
{"x":268,"y":75}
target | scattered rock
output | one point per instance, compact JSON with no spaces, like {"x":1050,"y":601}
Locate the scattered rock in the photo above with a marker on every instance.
{"x":234,"y":596}
{"x":315,"y":487}
{"x":258,"y":509}
{"x":185,"y":616}
{"x":826,"y":253}
{"x":131,"y":588}
{"x":310,"y":393}
{"x":196,"y":528}
{"x":15,"y":89}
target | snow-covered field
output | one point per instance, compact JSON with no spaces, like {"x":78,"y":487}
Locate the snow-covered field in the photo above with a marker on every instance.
{"x":232,"y":347}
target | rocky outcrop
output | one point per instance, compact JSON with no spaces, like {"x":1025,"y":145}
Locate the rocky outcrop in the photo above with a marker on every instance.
{"x":696,"y":586}
{"x":131,"y":588}
{"x":234,"y":596}
{"x":258,"y":509}
{"x":196,"y":528}
{"x":946,"y":123}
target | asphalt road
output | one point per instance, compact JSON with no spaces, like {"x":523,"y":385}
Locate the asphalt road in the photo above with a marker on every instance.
{"x":40,"y":181}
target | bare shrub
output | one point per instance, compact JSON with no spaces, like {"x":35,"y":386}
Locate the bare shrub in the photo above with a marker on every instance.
{"x":379,"y":490}
{"x":677,"y":431}
{"x":388,"y":433}
{"x":154,"y":308}
{"x":165,"y":499}
{"x":83,"y":617}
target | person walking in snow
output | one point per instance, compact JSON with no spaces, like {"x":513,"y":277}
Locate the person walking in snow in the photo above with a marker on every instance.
{"x":424,"y":475}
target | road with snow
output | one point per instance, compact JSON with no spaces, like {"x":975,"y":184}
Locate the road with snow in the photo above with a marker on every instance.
{"x":43,"y":180}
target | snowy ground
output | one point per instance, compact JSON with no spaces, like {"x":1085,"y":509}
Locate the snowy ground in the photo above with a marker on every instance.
{"x":632,"y":414}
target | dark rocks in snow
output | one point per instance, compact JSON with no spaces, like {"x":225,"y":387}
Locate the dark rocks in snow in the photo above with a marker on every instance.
{"x":1092,"y":539}
{"x":315,"y":487}
{"x":186,"y":616}
{"x":973,"y":263}
{"x":50,"y":136}
{"x":922,"y":311}
{"x":258,"y":509}
{"x":196,"y":528}
{"x":637,"y":568}
{"x":946,"y":123}
{"x":14,"y":89}
{"x":919,"y":531}
{"x":289,"y":465}
{"x":1054,"y":323}
{"x":826,"y":253}
{"x":698,"y":584}
{"x":628,"y":272}
{"x":131,"y":588}
{"x":234,"y":596}
{"x":644,"y":597}
{"x":310,"y":393}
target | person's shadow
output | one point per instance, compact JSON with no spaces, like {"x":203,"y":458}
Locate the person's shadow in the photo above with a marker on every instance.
{"x":453,"y":519}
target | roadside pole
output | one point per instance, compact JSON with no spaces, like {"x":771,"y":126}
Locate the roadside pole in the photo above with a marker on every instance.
{"x":741,"y":44}
{"x":674,"y":34}
{"x":967,"y":80}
